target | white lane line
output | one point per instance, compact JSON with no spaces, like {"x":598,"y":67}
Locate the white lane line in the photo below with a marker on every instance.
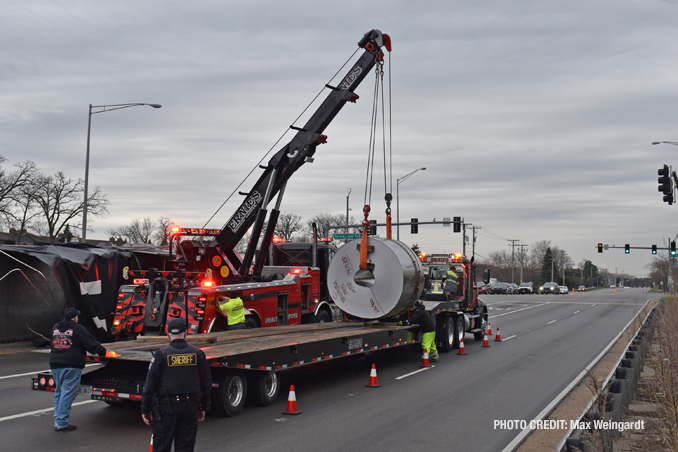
{"x":552,"y":321}
{"x":594,"y":304}
{"x":415,"y":372}
{"x":46,"y":410}
{"x":518,"y":310}
{"x":507,"y":338}
{"x":551,"y":406}
{"x":577,"y":312}
{"x":39,"y":372}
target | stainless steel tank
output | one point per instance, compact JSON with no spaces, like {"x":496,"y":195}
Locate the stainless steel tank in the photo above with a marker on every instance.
{"x":391,"y":288}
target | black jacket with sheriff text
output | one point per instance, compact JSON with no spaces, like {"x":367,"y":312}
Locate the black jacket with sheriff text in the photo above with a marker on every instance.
{"x":180,"y":368}
{"x":70,"y":342}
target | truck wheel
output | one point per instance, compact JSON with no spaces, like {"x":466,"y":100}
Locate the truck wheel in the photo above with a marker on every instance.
{"x":251,"y":323}
{"x":229,"y":397}
{"x":481,"y":323}
{"x":446,"y":335}
{"x":459,"y":330}
{"x":322,"y":317}
{"x":263,"y":387}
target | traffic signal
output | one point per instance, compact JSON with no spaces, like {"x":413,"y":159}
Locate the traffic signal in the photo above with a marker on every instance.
{"x":654,"y":249}
{"x":673,"y":248}
{"x":373,"y":227}
{"x":600,"y":247}
{"x":457,"y":224}
{"x":627,"y":248}
{"x":665,"y":185}
{"x":414,"y":227}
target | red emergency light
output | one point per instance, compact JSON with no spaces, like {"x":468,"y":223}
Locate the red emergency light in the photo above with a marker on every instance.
{"x":140,"y":281}
{"x":207,"y":283}
{"x":278,"y":240}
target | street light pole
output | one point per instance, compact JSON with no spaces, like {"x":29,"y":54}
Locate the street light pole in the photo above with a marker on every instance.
{"x":347,"y":209}
{"x":666,"y":142}
{"x":398,"y":181}
{"x":89,"y":129}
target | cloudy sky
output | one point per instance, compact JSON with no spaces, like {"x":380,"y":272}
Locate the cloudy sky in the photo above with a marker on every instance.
{"x":534,"y":119}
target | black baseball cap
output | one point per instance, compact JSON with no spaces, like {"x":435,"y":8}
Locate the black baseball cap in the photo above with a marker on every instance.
{"x":71,"y":313}
{"x":176,"y":326}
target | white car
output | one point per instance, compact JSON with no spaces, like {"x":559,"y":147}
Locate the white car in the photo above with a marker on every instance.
{"x":563,"y":289}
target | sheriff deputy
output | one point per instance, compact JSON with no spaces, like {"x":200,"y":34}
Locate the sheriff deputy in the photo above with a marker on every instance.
{"x":177,"y":392}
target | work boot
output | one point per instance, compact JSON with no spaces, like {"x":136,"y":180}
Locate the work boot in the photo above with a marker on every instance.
{"x":68,"y":428}
{"x":435,"y":357}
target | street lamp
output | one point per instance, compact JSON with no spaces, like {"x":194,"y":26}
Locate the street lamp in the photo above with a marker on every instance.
{"x":667,"y":142}
{"x":89,"y":128}
{"x":398,"y":181}
{"x":347,"y":209}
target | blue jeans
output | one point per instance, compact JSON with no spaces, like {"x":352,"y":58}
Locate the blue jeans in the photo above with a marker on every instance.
{"x":67,"y":383}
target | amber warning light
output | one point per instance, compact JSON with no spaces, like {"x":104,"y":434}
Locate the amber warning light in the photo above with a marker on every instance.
{"x":207,"y":283}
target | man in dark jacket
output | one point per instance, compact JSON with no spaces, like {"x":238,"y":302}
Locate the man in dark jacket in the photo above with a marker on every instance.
{"x":70,"y":342}
{"x":427,"y":326}
{"x":178,"y":374}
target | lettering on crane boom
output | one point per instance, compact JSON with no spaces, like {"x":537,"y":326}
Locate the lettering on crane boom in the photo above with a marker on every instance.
{"x":351,"y":77}
{"x":244,"y":211}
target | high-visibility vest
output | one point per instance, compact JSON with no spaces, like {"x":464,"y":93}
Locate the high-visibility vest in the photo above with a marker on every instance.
{"x":452,"y":276}
{"x":234,"y":310}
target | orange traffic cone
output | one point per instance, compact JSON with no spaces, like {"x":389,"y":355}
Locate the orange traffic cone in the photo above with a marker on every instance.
{"x":497,"y":338}
{"x":373,"y":378}
{"x":489,"y":329}
{"x":150,"y":449}
{"x":424,"y":362}
{"x":485,"y":343}
{"x":292,"y":403}
{"x":461,"y":351}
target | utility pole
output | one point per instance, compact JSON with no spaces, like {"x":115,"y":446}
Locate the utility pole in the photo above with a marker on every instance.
{"x":551,"y":268}
{"x":474,"y":238}
{"x":463,"y":245}
{"x":521,"y":253}
{"x":347,"y":209}
{"x":513,"y":253}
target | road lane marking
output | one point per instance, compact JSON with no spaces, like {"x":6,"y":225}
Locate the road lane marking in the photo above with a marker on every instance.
{"x":552,"y":321}
{"x":559,"y":398}
{"x":593,"y":304}
{"x":518,"y":310}
{"x":507,"y":338}
{"x":577,"y":312}
{"x":39,"y":372}
{"x":415,"y":372}
{"x":46,"y":410}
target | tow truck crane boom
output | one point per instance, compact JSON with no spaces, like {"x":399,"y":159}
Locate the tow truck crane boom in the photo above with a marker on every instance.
{"x":252,"y":212}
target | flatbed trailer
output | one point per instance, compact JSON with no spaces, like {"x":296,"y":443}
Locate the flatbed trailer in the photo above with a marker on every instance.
{"x":245,"y":363}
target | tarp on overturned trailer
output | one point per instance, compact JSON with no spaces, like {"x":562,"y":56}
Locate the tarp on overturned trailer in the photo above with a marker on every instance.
{"x":38,"y":282}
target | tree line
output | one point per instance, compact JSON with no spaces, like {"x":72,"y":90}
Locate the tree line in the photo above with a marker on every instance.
{"x":46,"y":204}
{"x":544,"y":262}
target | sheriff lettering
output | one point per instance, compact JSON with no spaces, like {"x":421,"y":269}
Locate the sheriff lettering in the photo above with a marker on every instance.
{"x":187,"y":359}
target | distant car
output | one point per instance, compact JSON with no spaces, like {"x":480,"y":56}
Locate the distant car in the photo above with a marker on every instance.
{"x":611,"y":286}
{"x":581,"y":289}
{"x":525,"y":288}
{"x":549,"y":288}
{"x":484,"y":288}
{"x":512,"y":289}
{"x":563,"y":289}
{"x":499,"y":288}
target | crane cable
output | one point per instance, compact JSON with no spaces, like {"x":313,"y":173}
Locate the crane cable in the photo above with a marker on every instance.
{"x":379,"y":84}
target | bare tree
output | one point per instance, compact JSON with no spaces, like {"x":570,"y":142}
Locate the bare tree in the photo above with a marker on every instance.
{"x":288,"y":225}
{"x":24,"y":203}
{"x":61,"y":201}
{"x":323,"y":221}
{"x":13,"y":181}
{"x":139,"y":231}
{"x":163,"y":231}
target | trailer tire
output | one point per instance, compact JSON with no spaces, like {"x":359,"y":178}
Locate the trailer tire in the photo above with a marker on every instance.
{"x":250,"y":322}
{"x":230,"y":396}
{"x":459,"y":330}
{"x":481,"y":323}
{"x":263,"y":387}
{"x":446,"y":334}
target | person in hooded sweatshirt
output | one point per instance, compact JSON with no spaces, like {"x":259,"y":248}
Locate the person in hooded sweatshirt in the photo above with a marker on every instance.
{"x":69,"y":346}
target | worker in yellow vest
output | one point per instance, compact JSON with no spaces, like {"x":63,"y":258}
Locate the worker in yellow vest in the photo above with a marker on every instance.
{"x":232,"y":307}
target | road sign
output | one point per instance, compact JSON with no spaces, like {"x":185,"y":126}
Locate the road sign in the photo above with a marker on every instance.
{"x":346,"y":236}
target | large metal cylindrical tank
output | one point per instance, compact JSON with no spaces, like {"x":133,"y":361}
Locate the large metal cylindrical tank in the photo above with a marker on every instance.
{"x":394,"y":285}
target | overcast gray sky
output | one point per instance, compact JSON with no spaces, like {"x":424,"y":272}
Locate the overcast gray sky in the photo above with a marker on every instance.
{"x":534,"y":119}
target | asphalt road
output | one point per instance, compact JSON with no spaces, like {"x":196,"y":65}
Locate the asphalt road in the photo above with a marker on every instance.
{"x":548,"y":340}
